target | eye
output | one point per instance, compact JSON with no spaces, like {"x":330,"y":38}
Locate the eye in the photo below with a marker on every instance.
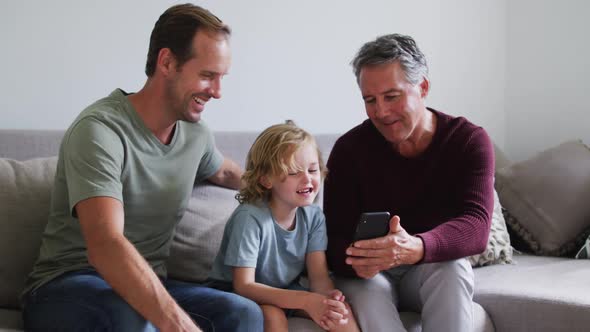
{"x":370,"y":101}
{"x":391,"y":97}
{"x":207,"y":75}
{"x":313,"y":170}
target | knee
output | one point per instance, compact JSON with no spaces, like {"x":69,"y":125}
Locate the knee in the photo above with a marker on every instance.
{"x":458,"y":269}
{"x":124,"y":318}
{"x":361,"y":291}
{"x":243,"y":312}
{"x":453,"y":274}
{"x":274,"y":317}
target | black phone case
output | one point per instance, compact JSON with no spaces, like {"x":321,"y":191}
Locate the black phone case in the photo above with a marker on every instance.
{"x":372,"y":225}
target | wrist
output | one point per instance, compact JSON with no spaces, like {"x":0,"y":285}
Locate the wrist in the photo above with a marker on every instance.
{"x":309,"y":300}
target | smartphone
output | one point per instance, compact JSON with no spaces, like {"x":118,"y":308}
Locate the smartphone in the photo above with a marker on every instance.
{"x":372,"y":225}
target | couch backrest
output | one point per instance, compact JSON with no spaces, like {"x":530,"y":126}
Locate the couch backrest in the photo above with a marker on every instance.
{"x":197,"y":236}
{"x":27,"y":144}
{"x":25,"y":188}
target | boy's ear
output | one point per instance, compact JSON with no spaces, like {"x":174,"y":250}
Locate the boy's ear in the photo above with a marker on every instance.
{"x":265,"y":182}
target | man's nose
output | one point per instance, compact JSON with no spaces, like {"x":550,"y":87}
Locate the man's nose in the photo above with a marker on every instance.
{"x":214,"y":89}
{"x":381,"y":109}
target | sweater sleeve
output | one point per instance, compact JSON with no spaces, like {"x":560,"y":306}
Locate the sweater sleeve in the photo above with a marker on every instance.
{"x":466,"y":233}
{"x":341,"y":207}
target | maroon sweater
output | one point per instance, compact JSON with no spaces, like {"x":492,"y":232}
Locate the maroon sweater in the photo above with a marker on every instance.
{"x":444,"y":196}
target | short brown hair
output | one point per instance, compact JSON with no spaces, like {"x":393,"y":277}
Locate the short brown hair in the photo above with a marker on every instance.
{"x":176,"y":28}
{"x":272,"y":155}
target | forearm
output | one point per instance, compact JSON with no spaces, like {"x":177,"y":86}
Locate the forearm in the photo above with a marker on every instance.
{"x":229,"y":175}
{"x":133,"y":279}
{"x":322,"y":285}
{"x":282,"y":298}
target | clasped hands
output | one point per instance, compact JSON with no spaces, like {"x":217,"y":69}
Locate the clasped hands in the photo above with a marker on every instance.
{"x":328,"y":311}
{"x":369,"y":257}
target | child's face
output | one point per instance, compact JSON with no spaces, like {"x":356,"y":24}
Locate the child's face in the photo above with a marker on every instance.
{"x":298,"y":188}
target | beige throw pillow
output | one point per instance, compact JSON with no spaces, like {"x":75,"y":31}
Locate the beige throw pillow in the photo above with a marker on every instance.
{"x":25,"y":195}
{"x":198,"y":235}
{"x":548,"y":196}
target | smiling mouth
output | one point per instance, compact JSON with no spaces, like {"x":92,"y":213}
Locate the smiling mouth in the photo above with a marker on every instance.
{"x":305,"y":191}
{"x":199,"y":101}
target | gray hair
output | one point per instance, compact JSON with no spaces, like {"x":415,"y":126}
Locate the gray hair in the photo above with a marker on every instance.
{"x":391,"y":48}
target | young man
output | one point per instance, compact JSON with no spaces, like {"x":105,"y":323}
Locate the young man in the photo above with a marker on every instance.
{"x":432,"y":172}
{"x":125,"y":174}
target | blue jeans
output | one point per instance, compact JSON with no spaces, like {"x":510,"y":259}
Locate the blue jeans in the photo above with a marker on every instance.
{"x":83,"y":301}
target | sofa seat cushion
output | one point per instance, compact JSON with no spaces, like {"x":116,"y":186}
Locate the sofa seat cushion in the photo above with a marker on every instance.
{"x":536,"y":294}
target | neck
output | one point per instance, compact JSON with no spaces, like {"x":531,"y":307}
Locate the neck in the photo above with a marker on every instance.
{"x":151,"y":106}
{"x":420,"y":138}
{"x":283,"y":216}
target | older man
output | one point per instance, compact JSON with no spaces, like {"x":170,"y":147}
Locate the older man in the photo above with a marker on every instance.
{"x":433,"y":172}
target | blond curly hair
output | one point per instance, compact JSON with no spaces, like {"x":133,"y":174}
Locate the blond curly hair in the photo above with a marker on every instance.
{"x":272,"y":154}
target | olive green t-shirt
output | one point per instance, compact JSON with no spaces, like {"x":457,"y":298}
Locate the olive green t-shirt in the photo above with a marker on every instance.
{"x":108,"y":151}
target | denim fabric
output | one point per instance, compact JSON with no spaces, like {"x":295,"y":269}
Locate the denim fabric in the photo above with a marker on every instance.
{"x":83,"y":301}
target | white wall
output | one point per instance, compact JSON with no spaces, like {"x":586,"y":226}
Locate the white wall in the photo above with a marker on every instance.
{"x":548,"y":75}
{"x":291,"y":58}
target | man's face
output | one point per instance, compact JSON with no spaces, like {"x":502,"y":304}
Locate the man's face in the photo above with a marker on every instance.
{"x":190,"y":86}
{"x":394,"y":105}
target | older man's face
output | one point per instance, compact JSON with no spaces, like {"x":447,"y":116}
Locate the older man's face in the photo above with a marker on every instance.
{"x":394,"y":105}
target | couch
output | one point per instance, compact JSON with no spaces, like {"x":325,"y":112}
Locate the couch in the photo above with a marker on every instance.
{"x":536,"y":293}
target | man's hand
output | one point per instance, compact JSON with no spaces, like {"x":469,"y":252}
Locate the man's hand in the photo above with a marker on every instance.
{"x":182,"y":323}
{"x":369,"y":257}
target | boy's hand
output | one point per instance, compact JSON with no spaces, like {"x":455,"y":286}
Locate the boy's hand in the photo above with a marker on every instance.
{"x":336,"y":294}
{"x":337,"y":312}
{"x":325,"y":312}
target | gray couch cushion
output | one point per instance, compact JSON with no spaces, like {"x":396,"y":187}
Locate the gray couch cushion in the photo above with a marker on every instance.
{"x":536,"y":294}
{"x":29,"y":144}
{"x":25,"y":191}
{"x":198,"y":235}
{"x":548,"y":195}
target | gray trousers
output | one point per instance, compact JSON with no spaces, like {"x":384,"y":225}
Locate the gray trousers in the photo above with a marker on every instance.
{"x":441,"y":292}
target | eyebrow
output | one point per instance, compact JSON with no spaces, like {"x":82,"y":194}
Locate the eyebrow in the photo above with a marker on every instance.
{"x":382,"y":93}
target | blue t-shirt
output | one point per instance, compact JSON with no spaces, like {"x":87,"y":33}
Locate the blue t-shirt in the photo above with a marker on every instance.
{"x":253,"y":239}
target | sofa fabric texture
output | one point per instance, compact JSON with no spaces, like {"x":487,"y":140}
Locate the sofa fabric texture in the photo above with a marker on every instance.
{"x":547,"y":195}
{"x":534,"y":294}
{"x":25,"y":192}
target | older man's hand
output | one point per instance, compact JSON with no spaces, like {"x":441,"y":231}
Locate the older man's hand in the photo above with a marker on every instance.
{"x":369,"y":257}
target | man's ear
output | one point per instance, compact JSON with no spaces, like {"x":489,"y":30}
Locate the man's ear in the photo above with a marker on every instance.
{"x":166,"y":61}
{"x":265,"y":182}
{"x":424,"y":87}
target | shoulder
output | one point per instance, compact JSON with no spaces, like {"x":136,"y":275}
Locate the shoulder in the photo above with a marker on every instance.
{"x":350,"y":146}
{"x":254,"y":215}
{"x":103,"y":117}
{"x":460,"y":133}
{"x":356,"y":136}
{"x":312,"y":214}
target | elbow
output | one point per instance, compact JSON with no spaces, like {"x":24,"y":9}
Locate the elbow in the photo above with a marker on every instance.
{"x":241,"y":289}
{"x":481,"y":247}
